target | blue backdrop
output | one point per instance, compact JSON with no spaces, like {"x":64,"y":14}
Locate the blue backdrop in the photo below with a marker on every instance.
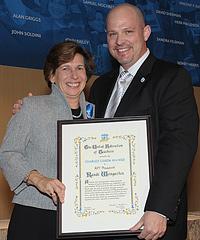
{"x":28,"y":29}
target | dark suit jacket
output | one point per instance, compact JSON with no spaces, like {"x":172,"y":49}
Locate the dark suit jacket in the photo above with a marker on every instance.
{"x":167,"y":95}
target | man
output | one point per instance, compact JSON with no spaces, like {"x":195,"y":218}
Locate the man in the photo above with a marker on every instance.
{"x":164,"y":91}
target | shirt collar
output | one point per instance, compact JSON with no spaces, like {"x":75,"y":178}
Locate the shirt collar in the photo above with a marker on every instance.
{"x":133,"y":69}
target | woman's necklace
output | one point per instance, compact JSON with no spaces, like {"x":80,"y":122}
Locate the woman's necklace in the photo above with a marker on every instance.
{"x":76,"y":110}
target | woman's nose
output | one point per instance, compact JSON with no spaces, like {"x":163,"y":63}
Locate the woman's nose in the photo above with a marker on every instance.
{"x":74,"y":74}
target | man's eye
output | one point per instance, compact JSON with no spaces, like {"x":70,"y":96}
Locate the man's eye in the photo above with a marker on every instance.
{"x":112,"y":34}
{"x":128,"y":32}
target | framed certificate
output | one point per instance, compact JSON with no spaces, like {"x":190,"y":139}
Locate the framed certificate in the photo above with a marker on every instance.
{"x":106,"y":166}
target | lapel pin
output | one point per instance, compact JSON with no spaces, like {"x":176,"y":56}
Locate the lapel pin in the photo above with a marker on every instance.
{"x":142,"y":80}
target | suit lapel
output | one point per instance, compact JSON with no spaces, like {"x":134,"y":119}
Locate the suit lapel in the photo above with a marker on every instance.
{"x":107,"y":91}
{"x":141,"y":78}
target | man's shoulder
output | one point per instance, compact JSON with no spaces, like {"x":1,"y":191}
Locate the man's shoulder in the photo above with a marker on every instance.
{"x":166,"y":65}
{"x":166,"y":72}
{"x":166,"y":69}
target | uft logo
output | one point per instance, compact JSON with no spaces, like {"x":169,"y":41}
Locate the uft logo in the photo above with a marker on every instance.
{"x":104,"y":137}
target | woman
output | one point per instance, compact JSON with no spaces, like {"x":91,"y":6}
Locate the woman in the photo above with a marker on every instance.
{"x":28,"y":152}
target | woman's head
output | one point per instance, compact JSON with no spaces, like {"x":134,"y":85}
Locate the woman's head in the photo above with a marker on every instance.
{"x":69,"y":66}
{"x":63,"y":53}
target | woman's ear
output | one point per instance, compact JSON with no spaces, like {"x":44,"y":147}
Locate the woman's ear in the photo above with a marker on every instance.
{"x":52,"y":78}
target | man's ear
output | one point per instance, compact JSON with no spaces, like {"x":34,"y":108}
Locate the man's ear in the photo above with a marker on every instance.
{"x":147,"y":32}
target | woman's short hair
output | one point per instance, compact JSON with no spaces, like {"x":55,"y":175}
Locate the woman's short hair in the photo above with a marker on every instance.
{"x":62,"y":53}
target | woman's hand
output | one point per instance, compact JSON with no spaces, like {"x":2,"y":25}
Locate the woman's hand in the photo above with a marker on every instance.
{"x":52,"y":187}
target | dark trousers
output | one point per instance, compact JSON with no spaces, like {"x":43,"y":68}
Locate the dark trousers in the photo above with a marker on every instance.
{"x":29,"y":223}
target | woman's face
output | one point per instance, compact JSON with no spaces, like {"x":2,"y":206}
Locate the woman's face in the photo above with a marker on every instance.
{"x":71,"y":78}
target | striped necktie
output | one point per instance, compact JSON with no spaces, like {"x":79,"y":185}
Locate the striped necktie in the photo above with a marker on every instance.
{"x":118,"y":94}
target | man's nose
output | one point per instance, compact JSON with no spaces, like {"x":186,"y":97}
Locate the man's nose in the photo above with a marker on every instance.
{"x":119,"y":39}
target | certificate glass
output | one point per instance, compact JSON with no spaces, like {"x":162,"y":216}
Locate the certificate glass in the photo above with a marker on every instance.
{"x":106,"y":167}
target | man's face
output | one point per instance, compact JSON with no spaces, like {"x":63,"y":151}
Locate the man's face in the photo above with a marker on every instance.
{"x":126,"y":36}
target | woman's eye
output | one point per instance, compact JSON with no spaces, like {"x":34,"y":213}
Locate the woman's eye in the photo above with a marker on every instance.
{"x":81,"y":68}
{"x":66,"y":69}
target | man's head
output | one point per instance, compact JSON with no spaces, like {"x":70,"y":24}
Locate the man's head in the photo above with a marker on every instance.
{"x":127,"y":34}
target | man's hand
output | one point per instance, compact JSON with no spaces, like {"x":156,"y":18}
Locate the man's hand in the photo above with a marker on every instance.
{"x":154,"y":226}
{"x":17,"y":106}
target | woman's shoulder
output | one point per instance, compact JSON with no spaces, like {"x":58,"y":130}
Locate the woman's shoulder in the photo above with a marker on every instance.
{"x":36,"y":100}
{"x":34,"y":104}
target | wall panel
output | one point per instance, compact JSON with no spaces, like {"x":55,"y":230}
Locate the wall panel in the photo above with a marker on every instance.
{"x":194,"y":176}
{"x":14,"y":83}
